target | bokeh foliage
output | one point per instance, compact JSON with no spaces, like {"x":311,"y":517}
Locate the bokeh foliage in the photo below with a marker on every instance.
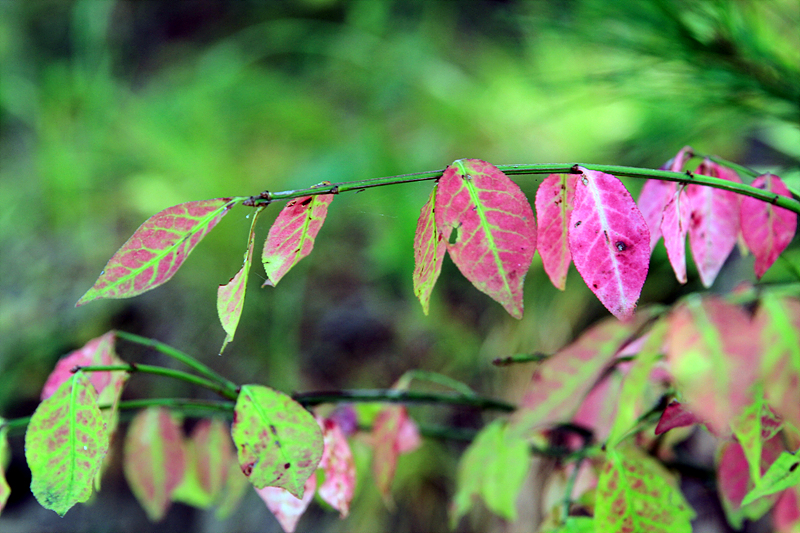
{"x":113,"y":110}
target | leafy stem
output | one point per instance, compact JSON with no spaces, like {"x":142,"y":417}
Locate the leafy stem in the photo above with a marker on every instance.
{"x":161,"y":371}
{"x":184,"y":358}
{"x":791,"y":204}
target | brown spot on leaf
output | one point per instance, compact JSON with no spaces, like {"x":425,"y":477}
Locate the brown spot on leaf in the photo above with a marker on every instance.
{"x":287,"y":466}
{"x":621,"y":246}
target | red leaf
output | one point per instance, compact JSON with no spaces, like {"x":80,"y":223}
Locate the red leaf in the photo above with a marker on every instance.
{"x":287,"y":508}
{"x":213,"y":454}
{"x":674,"y":225}
{"x":339,"y":467}
{"x":786,"y":515}
{"x":157,"y":249}
{"x":230,"y":297}
{"x":656,"y":194}
{"x":292,"y":235}
{"x":675,"y":415}
{"x":154,"y":459}
{"x":389,"y":438}
{"x":714,"y":225}
{"x":429,"y":250}
{"x":713,"y":350}
{"x":734,"y":482}
{"x":489,"y":228}
{"x":608,"y":238}
{"x":99,"y":351}
{"x":554,"y":202}
{"x":767,"y":229}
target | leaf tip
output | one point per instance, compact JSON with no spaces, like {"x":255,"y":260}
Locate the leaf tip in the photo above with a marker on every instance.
{"x":267,"y":283}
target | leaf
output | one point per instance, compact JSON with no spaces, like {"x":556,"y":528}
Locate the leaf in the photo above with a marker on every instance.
{"x":339,"y":467}
{"x":631,"y":396}
{"x":755,"y":425}
{"x":157,"y":249}
{"x":489,"y":229}
{"x":674,"y":226}
{"x":235,"y":487}
{"x":287,"y":508}
{"x":65,"y":444}
{"x":292,"y":235}
{"x":636,"y":493}
{"x":279,"y":444}
{"x":778,"y":322}
{"x":781,"y":475}
{"x":5,"y":455}
{"x":733,"y":481}
{"x":429,"y":250}
{"x":713,"y":350}
{"x":208,"y":460}
{"x":493,"y":468}
{"x":554,"y":203}
{"x":562,"y":381}
{"x":575,"y":524}
{"x":714,"y":224}
{"x":786,"y":513}
{"x":155,"y":459}
{"x":767,"y":229}
{"x":656,"y":194}
{"x":393,"y":433}
{"x":608,"y":239}
{"x":675,"y":415}
{"x":230,"y":297}
{"x":108,"y":385}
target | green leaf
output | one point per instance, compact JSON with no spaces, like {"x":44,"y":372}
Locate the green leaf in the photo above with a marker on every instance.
{"x":429,"y":250}
{"x":65,"y":444}
{"x":489,"y":228}
{"x":235,"y":488}
{"x":5,"y":455}
{"x":292,"y":235}
{"x":575,"y":524}
{"x":208,"y":459}
{"x":493,"y":468}
{"x":278,"y":442}
{"x":636,"y":493}
{"x":155,"y":459}
{"x":782,"y":474}
{"x":635,"y":385}
{"x":230,"y":297}
{"x":561,"y":382}
{"x":157,"y":249}
{"x":752,"y":428}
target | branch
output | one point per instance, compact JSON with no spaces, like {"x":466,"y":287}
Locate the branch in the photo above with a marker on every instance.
{"x":515,"y":170}
{"x":309,"y":399}
{"x":160,"y":371}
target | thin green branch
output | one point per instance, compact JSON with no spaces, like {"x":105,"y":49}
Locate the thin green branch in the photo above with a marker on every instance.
{"x":534,"y":357}
{"x":178,"y":355}
{"x":791,"y":204}
{"x":309,"y":399}
{"x":161,"y":371}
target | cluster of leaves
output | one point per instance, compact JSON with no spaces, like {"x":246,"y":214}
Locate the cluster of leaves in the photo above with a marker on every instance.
{"x":733,"y":369}
{"x":280,"y":447}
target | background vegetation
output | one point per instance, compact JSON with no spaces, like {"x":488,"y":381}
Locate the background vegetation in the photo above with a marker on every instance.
{"x":113,"y":110}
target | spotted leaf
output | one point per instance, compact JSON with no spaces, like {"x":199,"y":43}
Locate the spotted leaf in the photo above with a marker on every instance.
{"x":429,"y":250}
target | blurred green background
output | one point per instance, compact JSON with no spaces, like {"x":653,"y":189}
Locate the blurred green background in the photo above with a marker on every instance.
{"x":113,"y":110}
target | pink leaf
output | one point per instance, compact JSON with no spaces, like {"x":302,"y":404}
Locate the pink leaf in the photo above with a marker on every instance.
{"x":656,"y":194}
{"x":287,"y":508}
{"x":714,"y":225}
{"x":489,"y":228}
{"x":554,"y":202}
{"x":230,"y":297}
{"x":786,"y":515}
{"x":157,"y":249}
{"x":154,"y":459}
{"x":713,"y":350}
{"x":99,"y":351}
{"x":608,"y":238}
{"x":674,"y":226}
{"x":339,"y":467}
{"x":767,"y":229}
{"x":390,"y":435}
{"x":734,"y":482}
{"x":675,"y":415}
{"x":429,"y":250}
{"x":292,"y":235}
{"x":211,"y":440}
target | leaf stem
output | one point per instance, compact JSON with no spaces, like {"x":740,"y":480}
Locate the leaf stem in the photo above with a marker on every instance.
{"x":308,"y":399}
{"x":178,"y":355}
{"x":791,"y":204}
{"x":161,"y":371}
{"x":534,"y":357}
